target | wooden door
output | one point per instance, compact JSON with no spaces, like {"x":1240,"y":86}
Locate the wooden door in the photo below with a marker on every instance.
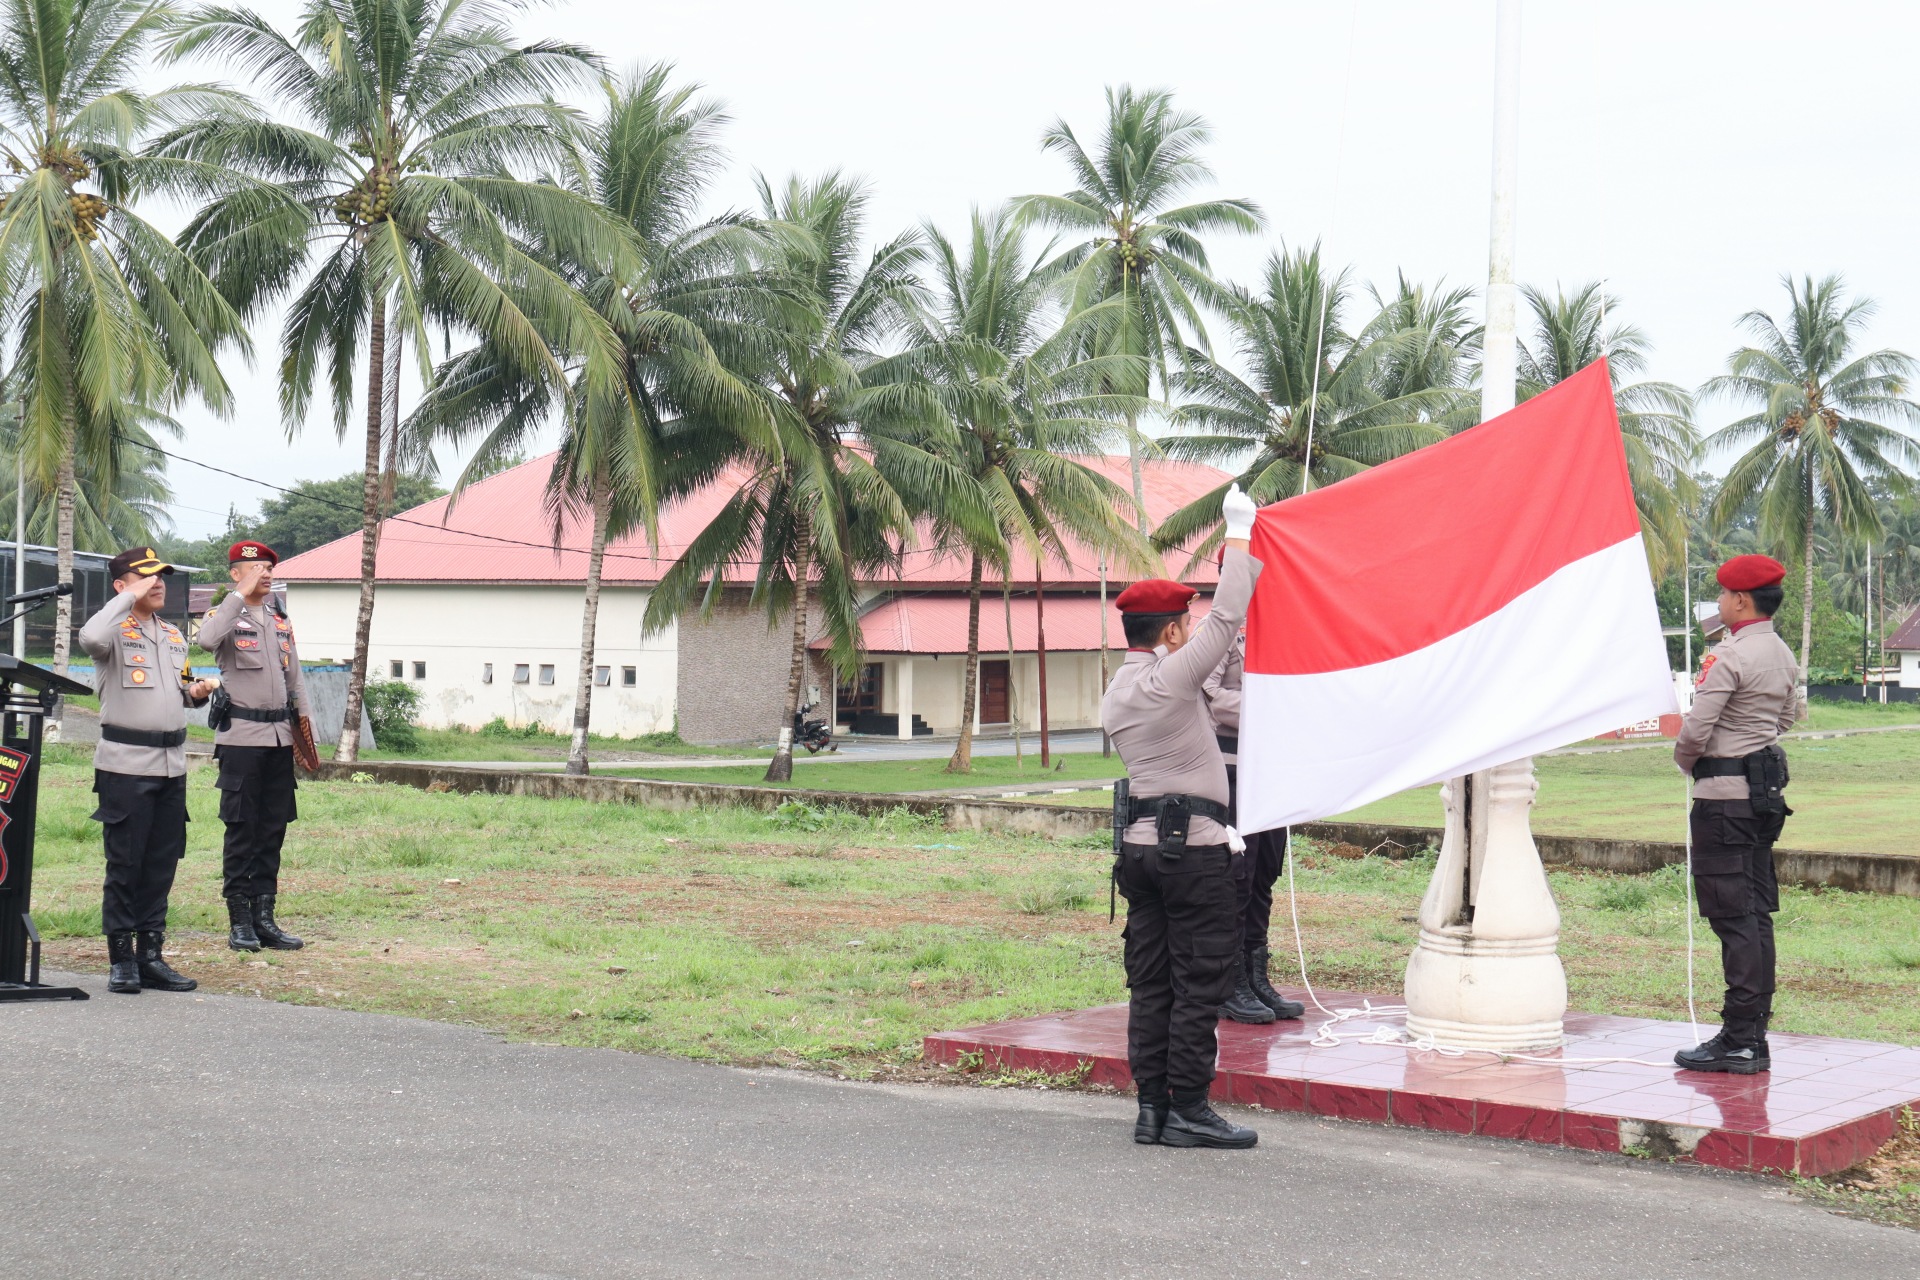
{"x":994,"y":687}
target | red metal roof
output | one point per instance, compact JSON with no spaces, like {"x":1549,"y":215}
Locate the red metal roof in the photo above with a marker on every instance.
{"x":1907,"y":638}
{"x":500,"y":531}
{"x":938,"y":624}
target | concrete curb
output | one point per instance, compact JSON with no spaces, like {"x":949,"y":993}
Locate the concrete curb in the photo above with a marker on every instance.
{"x":1894,"y":874}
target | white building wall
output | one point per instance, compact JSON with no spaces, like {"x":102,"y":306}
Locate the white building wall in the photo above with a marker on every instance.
{"x":457,"y":631}
{"x":1073,"y":689}
{"x":1910,"y":670}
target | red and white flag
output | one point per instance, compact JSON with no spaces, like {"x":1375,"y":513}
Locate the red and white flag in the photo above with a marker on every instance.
{"x":1474,"y":602}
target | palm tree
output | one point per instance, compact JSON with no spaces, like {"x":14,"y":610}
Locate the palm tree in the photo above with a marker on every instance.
{"x":1363,"y":397}
{"x":855,"y":453}
{"x":1026,"y":400}
{"x":399,"y":179}
{"x":1570,"y":332}
{"x":109,"y":323}
{"x":124,"y":508}
{"x":680,"y":313}
{"x":1143,"y":248}
{"x":1824,"y":423}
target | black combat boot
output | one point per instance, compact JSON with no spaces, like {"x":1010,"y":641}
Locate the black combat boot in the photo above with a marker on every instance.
{"x":1724,"y":1053}
{"x":1283,"y":1008}
{"x":1192,"y":1123}
{"x":268,"y":930}
{"x":1243,"y":1005}
{"x":155,"y":973}
{"x":124,"y":975}
{"x":240,"y":934}
{"x":1154,"y":1102}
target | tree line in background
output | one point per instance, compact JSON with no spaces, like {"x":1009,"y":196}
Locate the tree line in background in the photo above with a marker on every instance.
{"x":408,"y":172}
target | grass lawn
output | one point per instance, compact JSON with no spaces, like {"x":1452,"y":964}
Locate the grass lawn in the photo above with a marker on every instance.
{"x":902,"y":775}
{"x":462,"y":744}
{"x":828,"y":939}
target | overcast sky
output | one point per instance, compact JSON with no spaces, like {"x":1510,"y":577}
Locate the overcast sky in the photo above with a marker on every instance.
{"x":1688,"y":153}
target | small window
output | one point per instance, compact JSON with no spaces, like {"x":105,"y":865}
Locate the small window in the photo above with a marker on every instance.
{"x":629,"y":677}
{"x":519,"y":673}
{"x":419,"y":671}
{"x":396,"y":668}
{"x":486,"y":673}
{"x":603,"y":676}
{"x":546,"y":673}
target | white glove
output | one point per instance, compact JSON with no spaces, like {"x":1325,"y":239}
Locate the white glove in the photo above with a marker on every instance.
{"x":1237,"y":510}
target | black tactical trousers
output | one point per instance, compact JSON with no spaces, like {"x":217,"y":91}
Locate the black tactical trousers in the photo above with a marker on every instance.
{"x":1734,"y":881}
{"x":1181,"y":962}
{"x":256,"y":803}
{"x":143,"y":822}
{"x":1254,"y":873}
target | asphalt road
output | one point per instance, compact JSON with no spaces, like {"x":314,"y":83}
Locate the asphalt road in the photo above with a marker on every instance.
{"x":216,"y":1136}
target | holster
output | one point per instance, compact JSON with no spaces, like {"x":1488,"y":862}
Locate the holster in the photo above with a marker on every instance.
{"x":219,"y":709}
{"x":1767,"y":781}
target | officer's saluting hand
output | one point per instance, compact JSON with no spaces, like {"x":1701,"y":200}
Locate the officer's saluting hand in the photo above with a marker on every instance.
{"x":256,"y":725}
{"x":140,"y":767}
{"x":1174,"y":842}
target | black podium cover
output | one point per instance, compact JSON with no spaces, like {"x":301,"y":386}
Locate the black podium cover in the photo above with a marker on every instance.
{"x":27,"y":694}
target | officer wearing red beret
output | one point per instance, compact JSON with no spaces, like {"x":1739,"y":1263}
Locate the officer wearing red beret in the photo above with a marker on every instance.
{"x":1174,"y":843}
{"x":1745,"y":697}
{"x":261,"y":722}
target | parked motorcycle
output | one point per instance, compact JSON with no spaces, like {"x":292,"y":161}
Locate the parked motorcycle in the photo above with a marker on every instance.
{"x":812,"y":734}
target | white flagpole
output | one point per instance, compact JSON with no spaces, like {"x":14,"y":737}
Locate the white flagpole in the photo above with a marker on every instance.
{"x":1487,"y":972}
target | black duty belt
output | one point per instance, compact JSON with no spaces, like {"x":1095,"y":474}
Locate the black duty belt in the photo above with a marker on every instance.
{"x":277,"y":716}
{"x":1139,"y":807}
{"x":1229,"y":743}
{"x":1720,"y":767}
{"x":143,"y":737}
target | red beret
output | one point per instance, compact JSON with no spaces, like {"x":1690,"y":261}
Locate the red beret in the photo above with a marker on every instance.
{"x":243,"y":552}
{"x":1155,"y":595}
{"x":1744,"y":573}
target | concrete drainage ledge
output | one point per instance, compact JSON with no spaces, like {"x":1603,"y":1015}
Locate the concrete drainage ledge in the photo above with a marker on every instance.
{"x":1862,"y":872}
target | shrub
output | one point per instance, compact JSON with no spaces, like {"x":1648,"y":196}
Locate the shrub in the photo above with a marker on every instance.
{"x":391,"y":708}
{"x":499,"y":728}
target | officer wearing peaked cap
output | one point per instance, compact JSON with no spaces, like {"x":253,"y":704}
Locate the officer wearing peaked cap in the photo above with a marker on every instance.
{"x":1745,"y":697}
{"x":1174,"y":842}
{"x":262,"y":719}
{"x":140,"y":767}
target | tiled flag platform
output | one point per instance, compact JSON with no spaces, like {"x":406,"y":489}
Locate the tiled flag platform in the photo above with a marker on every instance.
{"x":1826,"y":1105}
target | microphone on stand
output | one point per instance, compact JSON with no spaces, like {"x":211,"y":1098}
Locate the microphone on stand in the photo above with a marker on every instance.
{"x":40,"y":594}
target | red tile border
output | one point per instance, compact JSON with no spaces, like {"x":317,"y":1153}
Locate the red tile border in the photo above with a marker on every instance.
{"x":1828,"y":1104}
{"x":1348,"y":1101}
{"x":1590,"y":1133}
{"x":1425,"y":1111}
{"x":1526,"y":1124}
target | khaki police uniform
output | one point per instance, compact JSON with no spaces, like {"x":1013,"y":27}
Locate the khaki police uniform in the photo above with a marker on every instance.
{"x":1745,"y":697}
{"x":260,"y":670}
{"x":1181,"y":934}
{"x":140,"y":765}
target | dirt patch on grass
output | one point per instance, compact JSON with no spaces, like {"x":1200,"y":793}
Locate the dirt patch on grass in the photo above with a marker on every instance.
{"x":1883,"y":1189}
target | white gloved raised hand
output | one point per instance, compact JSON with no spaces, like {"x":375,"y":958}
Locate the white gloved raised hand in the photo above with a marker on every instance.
{"x":1237,"y":510}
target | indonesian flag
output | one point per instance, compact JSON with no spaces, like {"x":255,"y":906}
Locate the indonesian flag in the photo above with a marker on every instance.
{"x":1474,"y":602}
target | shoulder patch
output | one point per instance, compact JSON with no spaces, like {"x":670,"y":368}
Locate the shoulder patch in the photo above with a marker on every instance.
{"x":1705,"y":667}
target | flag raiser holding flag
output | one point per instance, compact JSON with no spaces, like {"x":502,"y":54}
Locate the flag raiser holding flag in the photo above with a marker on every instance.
{"x":1481,"y":600}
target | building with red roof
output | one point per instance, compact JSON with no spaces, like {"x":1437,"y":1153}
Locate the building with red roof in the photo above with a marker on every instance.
{"x":479,"y":604}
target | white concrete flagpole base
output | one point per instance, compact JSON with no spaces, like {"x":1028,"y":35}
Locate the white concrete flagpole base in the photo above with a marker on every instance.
{"x":1489,"y":977}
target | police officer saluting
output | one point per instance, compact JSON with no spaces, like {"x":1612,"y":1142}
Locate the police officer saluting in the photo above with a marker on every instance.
{"x":1743,"y":700}
{"x":1174,"y":842}
{"x":1254,"y":999}
{"x":140,"y":767}
{"x":260,"y":716}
